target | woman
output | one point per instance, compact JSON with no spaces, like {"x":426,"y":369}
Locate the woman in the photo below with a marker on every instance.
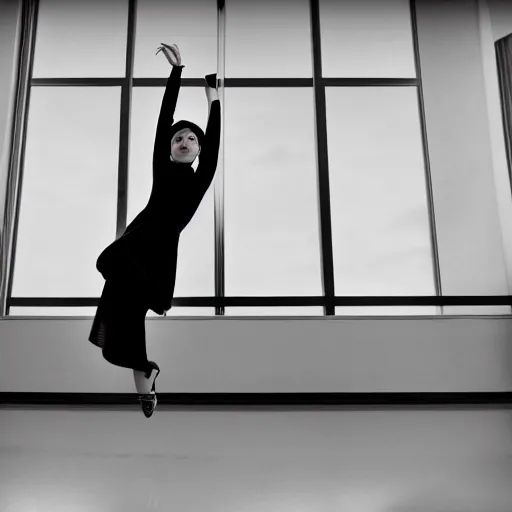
{"x":140,"y":267}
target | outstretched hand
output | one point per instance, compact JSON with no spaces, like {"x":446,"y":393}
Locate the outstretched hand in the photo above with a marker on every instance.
{"x":171,"y":52}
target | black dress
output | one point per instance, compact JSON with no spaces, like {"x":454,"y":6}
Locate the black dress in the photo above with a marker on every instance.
{"x":140,"y":266}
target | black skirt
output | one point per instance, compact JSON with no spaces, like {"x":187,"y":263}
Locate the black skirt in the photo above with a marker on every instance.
{"x":119,"y":325}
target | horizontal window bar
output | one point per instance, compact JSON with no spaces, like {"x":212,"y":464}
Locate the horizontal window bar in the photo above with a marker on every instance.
{"x":269,"y":82}
{"x":369,"y":82}
{"x":493,"y":300}
{"x":229,"y":82}
{"x":445,"y":300}
{"x":161,"y":82}
{"x":79,"y":82}
{"x":185,"y":82}
{"x":176,"y":302}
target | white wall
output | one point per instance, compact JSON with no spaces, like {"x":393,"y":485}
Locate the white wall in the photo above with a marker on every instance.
{"x":333,"y":355}
{"x":268,"y":355}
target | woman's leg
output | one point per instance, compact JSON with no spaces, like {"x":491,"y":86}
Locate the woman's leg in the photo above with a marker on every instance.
{"x":144,"y":384}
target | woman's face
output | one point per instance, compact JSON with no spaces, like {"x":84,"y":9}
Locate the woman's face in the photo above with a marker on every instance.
{"x":184,"y":146}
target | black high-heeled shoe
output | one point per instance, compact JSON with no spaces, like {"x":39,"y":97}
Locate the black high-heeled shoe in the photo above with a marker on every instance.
{"x":148,"y":401}
{"x":148,"y":404}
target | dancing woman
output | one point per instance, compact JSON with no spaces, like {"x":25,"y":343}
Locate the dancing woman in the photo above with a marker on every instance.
{"x":139,"y":268}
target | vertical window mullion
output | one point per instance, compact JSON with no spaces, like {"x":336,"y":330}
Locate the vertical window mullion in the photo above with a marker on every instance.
{"x":29,"y":14}
{"x":219,"y":180}
{"x":426,"y":159}
{"x":323,"y":163}
{"x":124,"y":131}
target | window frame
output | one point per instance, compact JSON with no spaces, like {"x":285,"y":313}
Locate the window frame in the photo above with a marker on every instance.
{"x":328,"y":300}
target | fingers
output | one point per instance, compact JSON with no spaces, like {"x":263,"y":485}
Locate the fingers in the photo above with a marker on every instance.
{"x":171,"y":53}
{"x":173,"y":47}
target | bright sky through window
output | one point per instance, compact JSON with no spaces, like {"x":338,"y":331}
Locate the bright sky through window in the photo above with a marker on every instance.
{"x":366,"y":39}
{"x":380,"y":227}
{"x":81,"y":39}
{"x":69,"y":192}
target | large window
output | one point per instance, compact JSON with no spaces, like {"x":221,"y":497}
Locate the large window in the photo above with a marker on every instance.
{"x":321,"y":204}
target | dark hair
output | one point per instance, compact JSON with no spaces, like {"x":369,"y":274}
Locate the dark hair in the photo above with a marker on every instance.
{"x":180,"y":125}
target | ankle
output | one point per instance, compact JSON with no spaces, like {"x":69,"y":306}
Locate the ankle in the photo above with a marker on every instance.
{"x":142,"y":383}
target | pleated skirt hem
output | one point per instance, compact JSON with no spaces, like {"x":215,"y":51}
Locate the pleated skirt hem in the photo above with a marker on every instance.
{"x":118,"y":327}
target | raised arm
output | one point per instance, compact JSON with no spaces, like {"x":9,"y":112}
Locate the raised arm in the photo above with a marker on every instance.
{"x":166,"y":115}
{"x":207,"y":159}
{"x":168,"y":106}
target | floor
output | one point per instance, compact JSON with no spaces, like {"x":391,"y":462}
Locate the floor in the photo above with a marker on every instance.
{"x":113,"y":459}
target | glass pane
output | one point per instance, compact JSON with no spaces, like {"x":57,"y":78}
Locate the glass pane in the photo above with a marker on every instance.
{"x":268,"y":39}
{"x":184,"y":311}
{"x":380,"y":228}
{"x":386,"y":310}
{"x":271,"y":214}
{"x":421,"y":310}
{"x":81,"y":39}
{"x":52,"y":311}
{"x":476,"y":310}
{"x":275,"y":311}
{"x":195,"y":276}
{"x":366,"y":39}
{"x":69,"y":195}
{"x":192,"y":25}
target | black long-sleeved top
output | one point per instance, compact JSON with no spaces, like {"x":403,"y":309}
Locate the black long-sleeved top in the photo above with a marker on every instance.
{"x":149,"y":244}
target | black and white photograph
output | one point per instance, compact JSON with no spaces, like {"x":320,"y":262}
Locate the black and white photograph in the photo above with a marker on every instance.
{"x":256,"y":255}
